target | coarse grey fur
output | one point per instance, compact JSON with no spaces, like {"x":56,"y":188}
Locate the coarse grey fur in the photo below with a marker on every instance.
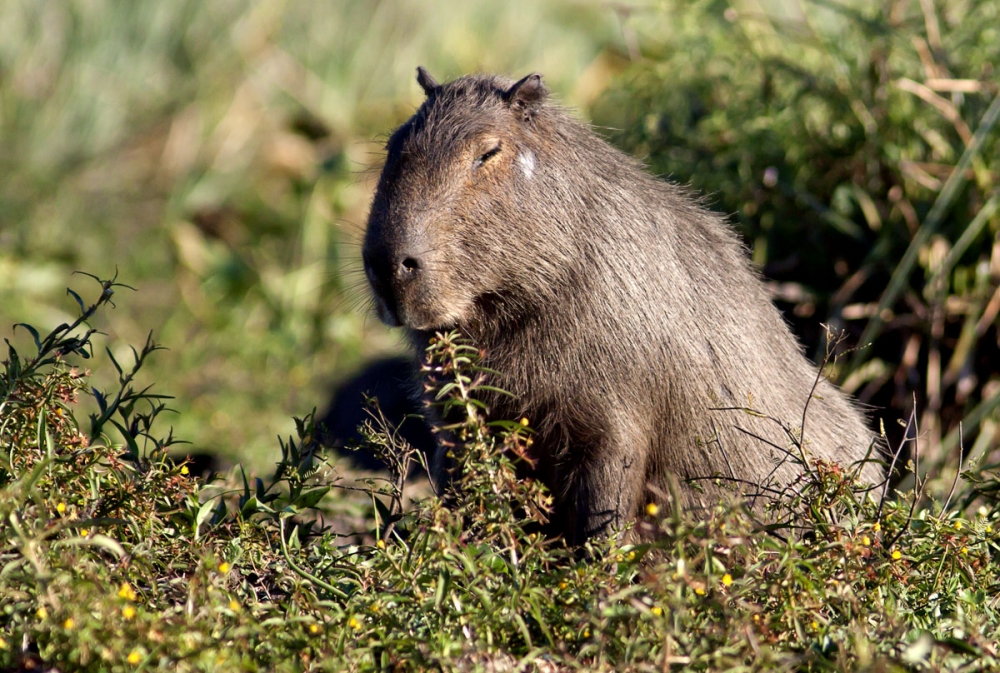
{"x":618,"y":310}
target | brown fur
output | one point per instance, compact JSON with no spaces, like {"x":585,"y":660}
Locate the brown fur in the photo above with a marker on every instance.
{"x":617,"y":309}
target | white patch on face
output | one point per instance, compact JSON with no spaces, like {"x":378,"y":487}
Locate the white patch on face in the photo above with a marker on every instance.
{"x":527,"y":161}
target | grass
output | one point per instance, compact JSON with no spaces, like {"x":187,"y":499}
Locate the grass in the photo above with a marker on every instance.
{"x":220,"y":156}
{"x":855,"y":146}
{"x":115,"y":558}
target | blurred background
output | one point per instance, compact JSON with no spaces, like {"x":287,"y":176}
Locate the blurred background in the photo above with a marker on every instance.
{"x":220,"y":157}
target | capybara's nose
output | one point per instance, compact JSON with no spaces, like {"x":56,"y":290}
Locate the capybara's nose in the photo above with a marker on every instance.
{"x":408,"y":269}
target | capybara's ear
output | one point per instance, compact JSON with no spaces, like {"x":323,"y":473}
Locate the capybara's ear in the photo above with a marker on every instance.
{"x":526,"y":95}
{"x":426,"y":82}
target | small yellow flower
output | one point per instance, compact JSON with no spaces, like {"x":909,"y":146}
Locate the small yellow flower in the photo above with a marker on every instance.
{"x":700,"y":591}
{"x":727,"y":579}
{"x":958,"y":525}
{"x":128,"y":612}
{"x":314,"y":629}
{"x":656,"y":610}
{"x":42,"y":613}
{"x":69,"y":624}
{"x":896,"y":555}
{"x":586,"y":633}
{"x":631,"y":556}
{"x":756,"y":618}
{"x":353,"y":623}
{"x":877,"y":527}
{"x":619,"y":558}
{"x":84,"y":532}
{"x":965,"y":550}
{"x":61,"y":507}
{"x":223,"y":567}
{"x":185,"y":470}
{"x":563,"y":585}
{"x":815,"y":625}
{"x":380,"y":544}
{"x":989,"y":529}
{"x":126,"y":592}
{"x":234,"y":605}
{"x":866,"y":541}
{"x":375,"y":607}
{"x":524,"y":422}
{"x":3,"y":644}
{"x":134,"y":657}
{"x":652,"y":509}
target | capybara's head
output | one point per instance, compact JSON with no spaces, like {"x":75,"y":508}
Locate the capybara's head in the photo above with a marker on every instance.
{"x":448,"y":219}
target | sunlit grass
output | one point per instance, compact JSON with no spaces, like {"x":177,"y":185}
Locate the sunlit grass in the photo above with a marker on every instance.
{"x":220,"y":156}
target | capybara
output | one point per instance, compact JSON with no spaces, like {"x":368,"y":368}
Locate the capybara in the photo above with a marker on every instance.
{"x":623,"y":315}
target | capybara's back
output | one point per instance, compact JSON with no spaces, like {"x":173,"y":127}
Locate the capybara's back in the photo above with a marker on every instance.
{"x":624,"y":317}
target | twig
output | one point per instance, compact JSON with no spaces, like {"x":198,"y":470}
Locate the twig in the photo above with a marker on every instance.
{"x":958,"y":474}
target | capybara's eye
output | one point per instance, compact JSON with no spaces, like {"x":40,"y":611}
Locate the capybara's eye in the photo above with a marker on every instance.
{"x":485,"y":156}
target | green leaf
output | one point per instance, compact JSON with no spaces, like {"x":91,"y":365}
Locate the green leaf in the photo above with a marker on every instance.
{"x":204,"y":512}
{"x":310,"y":498}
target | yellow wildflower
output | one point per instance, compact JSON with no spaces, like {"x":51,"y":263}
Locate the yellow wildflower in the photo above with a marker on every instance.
{"x":42,"y":613}
{"x":896,"y":555}
{"x":877,"y":527}
{"x":965,"y":550}
{"x":380,"y":544}
{"x":69,"y":624}
{"x":563,"y":585}
{"x":61,"y":507}
{"x":3,"y":644}
{"x":656,"y":610}
{"x":234,"y":605}
{"x":314,"y":629}
{"x":128,"y":612}
{"x":185,"y":470}
{"x":524,"y":422}
{"x":958,"y":525}
{"x":84,"y":532}
{"x":126,"y":592}
{"x":727,"y":579}
{"x":134,"y":657}
{"x":866,"y":541}
{"x":223,"y":567}
{"x":699,"y":590}
{"x":652,"y":509}
{"x":354,"y":623}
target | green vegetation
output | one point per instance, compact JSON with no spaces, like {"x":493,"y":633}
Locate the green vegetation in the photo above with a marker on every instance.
{"x":856,"y":145}
{"x":218,"y":155}
{"x":115,"y":559}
